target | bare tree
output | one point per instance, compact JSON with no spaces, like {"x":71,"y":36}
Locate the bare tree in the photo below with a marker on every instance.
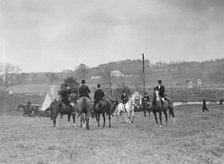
{"x":81,"y":71}
{"x":7,"y":72}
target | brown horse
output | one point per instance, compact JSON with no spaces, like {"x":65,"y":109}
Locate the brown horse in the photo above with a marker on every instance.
{"x":58,"y":106}
{"x":84,"y":107}
{"x":146,"y":107}
{"x":104,"y":107}
{"x":157,"y":107}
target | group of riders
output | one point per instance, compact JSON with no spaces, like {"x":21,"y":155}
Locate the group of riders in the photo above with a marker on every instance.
{"x":84,"y":91}
{"x":99,"y":94}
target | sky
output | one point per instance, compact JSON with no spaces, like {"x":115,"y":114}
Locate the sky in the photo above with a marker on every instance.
{"x":55,"y":35}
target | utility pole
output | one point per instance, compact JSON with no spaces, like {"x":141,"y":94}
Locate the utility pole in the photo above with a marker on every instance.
{"x":4,"y":73}
{"x":143,"y":72}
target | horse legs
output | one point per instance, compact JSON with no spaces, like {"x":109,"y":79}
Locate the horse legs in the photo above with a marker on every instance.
{"x":160,"y":118}
{"x":165,"y":113}
{"x":132,"y":113}
{"x":87,"y":120}
{"x":171,"y":112}
{"x":149,"y":110}
{"x":109,"y":118}
{"x":54,"y":117}
{"x":81,"y":120}
{"x":104,"y":119}
{"x":73,"y":116}
{"x":144,"y":110}
{"x":54,"y":122}
{"x":98,"y":119}
{"x":126,"y":117}
{"x":69,"y":116}
{"x":154,"y":112}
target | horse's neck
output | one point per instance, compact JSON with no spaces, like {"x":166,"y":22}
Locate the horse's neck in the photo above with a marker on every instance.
{"x":155,"y":97}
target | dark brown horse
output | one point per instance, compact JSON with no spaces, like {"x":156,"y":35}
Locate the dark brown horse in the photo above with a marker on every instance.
{"x":146,"y":107}
{"x":104,"y":107}
{"x":84,"y":107}
{"x":157,"y":107}
{"x":58,"y":106}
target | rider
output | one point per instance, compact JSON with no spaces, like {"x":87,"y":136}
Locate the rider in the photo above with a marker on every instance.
{"x":124,"y":98}
{"x":146,"y":97}
{"x":99,"y":95}
{"x":160,"y":87}
{"x":64,"y":94}
{"x":83,"y":89}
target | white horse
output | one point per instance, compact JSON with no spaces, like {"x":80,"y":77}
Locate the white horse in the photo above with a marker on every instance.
{"x":127,"y":109}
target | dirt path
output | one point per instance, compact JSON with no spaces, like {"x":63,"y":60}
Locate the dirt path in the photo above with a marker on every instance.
{"x":196,"y":137}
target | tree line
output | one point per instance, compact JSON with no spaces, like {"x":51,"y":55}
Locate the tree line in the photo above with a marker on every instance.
{"x":11,"y":74}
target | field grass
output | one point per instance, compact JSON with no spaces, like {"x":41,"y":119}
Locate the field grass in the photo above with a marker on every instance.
{"x":196,"y":137}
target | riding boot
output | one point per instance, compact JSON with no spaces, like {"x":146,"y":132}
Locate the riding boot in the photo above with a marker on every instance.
{"x":162,"y":103}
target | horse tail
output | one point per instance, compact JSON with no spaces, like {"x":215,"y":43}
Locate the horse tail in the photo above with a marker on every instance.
{"x":170,"y":102}
{"x":50,"y":109}
{"x":109,"y":109}
{"x":83,"y":107}
{"x":170,"y":106}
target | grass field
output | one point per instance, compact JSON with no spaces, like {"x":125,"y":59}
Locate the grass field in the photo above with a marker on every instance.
{"x":196,"y":137}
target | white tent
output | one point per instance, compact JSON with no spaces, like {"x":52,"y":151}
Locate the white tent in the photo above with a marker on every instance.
{"x":46,"y":103}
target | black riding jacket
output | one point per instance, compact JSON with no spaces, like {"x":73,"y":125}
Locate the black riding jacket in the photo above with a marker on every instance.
{"x":99,"y":94}
{"x":84,"y":91}
{"x":161,"y":90}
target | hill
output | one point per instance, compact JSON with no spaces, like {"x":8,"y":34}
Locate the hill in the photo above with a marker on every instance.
{"x":173,"y":74}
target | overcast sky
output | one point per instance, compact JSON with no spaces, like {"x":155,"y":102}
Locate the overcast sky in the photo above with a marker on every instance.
{"x":52,"y":35}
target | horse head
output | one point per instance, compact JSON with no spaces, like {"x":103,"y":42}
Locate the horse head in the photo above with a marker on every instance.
{"x":131,"y":104}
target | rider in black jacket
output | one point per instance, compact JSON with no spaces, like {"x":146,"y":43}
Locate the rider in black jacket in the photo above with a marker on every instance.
{"x":161,"y":90}
{"x":83,"y":89}
{"x":99,"y":95}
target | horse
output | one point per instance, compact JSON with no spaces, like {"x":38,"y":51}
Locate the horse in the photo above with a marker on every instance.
{"x":26,"y":110}
{"x":57,"y":106}
{"x":146,"y":107}
{"x":158,"y":107}
{"x":127,"y":109}
{"x":103,"y":107}
{"x":114,"y":104}
{"x":84,"y":107}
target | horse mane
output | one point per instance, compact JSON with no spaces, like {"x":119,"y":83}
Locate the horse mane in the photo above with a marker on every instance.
{"x":154,"y":98}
